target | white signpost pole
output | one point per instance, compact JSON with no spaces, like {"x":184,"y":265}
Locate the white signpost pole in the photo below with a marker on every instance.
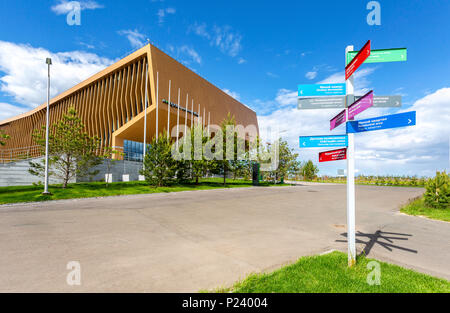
{"x":350,"y":177}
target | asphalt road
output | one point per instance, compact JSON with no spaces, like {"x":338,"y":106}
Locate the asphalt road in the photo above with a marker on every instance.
{"x":188,"y":241}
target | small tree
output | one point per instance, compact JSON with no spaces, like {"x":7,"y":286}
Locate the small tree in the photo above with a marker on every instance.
{"x":437,"y":194}
{"x":224,"y":166}
{"x":71,"y":150}
{"x":309,"y":170}
{"x":3,"y":138}
{"x":287,"y":160}
{"x":160,"y":168}
{"x":198,"y":163}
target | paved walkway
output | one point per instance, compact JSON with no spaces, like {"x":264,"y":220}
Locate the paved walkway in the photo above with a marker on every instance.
{"x":184,"y":242}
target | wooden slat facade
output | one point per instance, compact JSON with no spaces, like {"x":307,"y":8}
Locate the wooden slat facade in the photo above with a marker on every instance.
{"x":111,"y":103}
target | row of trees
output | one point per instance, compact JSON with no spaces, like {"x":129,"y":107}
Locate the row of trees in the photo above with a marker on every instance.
{"x":72,"y":152}
{"x":378,"y":180}
{"x":168,"y":162}
{"x":161,"y":168}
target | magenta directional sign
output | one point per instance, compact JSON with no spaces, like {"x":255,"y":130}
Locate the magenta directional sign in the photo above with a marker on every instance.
{"x":338,"y":120}
{"x":360,"y":105}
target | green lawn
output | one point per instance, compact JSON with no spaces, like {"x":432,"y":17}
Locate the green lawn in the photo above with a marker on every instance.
{"x":417,"y":207}
{"x":329,"y":274}
{"x":89,"y":190}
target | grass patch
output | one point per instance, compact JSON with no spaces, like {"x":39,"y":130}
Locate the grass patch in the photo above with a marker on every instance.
{"x":418,"y":207}
{"x":17,"y":194}
{"x":329,"y":274}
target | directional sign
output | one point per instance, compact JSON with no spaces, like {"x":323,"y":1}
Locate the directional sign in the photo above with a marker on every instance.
{"x":334,"y":155}
{"x":321,"y":103}
{"x":360,"y":105}
{"x":382,"y":122}
{"x":386,"y":101}
{"x":383,"y":55}
{"x":338,"y":120}
{"x":359,"y":59}
{"x":323,"y":141}
{"x":321,"y":90}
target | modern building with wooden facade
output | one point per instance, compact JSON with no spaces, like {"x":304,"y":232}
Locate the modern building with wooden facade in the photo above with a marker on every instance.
{"x":111,"y":104}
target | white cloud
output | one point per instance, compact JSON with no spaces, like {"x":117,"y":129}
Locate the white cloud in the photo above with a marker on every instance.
{"x":286,"y":97}
{"x":190,"y":53}
{"x":224,"y":38}
{"x":227,"y":41}
{"x":311,"y":75}
{"x":242,"y":61}
{"x":163,"y":12}
{"x":8,"y":110}
{"x":87,"y":45}
{"x":64,"y":6}
{"x":418,"y":150}
{"x":272,"y":75}
{"x":233,"y":94}
{"x":24,"y":72}
{"x":199,"y":30}
{"x":135,"y":38}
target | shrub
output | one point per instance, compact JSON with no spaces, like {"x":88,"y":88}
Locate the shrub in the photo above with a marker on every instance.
{"x":159,"y":166}
{"x":437,"y":194}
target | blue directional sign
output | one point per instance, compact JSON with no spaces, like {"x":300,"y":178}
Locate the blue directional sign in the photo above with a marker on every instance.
{"x":321,"y":90}
{"x":323,"y":141}
{"x":382,"y":122}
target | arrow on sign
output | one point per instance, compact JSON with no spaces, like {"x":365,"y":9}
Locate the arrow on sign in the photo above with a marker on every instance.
{"x":382,"y":122}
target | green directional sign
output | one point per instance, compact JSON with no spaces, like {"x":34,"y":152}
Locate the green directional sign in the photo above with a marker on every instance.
{"x":383,"y":55}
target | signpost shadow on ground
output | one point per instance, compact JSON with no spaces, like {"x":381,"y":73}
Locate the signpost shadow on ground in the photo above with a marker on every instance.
{"x":375,"y":238}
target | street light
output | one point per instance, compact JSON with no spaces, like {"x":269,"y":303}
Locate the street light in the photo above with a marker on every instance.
{"x":48,"y":61}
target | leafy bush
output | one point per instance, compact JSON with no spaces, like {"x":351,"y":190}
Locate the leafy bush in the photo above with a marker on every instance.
{"x":309,"y":170}
{"x":437,"y":193}
{"x":159,"y":167}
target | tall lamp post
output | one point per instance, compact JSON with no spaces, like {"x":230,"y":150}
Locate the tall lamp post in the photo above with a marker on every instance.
{"x":48,"y":61}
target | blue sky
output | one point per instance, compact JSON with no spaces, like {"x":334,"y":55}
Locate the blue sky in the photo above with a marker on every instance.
{"x":258,"y":51}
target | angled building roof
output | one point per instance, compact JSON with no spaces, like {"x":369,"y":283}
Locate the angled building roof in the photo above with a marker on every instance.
{"x":111,"y":103}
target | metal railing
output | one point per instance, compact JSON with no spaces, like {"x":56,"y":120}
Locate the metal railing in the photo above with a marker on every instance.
{"x":19,"y":154}
{"x":31,"y":152}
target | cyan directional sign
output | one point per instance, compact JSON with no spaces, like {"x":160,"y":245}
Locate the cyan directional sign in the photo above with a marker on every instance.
{"x":323,"y":141}
{"x":382,"y":122}
{"x":321,"y":90}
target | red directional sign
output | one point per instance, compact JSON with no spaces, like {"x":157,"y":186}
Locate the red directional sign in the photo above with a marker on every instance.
{"x":359,"y":59}
{"x":334,"y":155}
